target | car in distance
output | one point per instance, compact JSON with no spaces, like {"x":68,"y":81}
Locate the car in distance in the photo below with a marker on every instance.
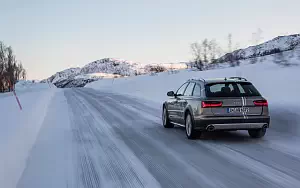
{"x":224,"y":104}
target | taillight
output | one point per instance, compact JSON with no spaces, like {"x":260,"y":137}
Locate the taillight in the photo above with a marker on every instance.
{"x":261,"y":103}
{"x":209,"y":104}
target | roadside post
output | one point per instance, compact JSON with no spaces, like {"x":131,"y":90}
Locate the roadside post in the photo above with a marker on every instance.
{"x":14,"y":92}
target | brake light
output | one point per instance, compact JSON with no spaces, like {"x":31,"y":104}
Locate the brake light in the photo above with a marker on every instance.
{"x":209,"y":104}
{"x":261,"y":103}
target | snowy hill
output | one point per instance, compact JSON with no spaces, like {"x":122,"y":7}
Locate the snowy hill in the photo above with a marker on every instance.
{"x":63,"y":75}
{"x":112,"y":66}
{"x":106,"y":68}
{"x":276,"y":45}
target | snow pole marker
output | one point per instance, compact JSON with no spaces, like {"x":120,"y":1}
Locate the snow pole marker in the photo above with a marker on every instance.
{"x":14,"y":92}
{"x":17,"y":100}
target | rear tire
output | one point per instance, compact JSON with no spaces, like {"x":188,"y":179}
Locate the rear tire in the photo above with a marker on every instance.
{"x":191,"y":133}
{"x":257,"y":133}
{"x":165,"y":119}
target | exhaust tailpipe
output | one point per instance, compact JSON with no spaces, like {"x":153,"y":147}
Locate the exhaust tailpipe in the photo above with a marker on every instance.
{"x":210,"y":128}
{"x":265,"y":126}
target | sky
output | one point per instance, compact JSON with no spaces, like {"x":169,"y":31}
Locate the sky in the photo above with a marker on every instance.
{"x":50,"y":36}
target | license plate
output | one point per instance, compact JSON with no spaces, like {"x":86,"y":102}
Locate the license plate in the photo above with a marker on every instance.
{"x":238,"y":110}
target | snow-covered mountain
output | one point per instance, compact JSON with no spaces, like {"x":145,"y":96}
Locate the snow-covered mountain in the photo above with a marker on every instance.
{"x":62,"y":75}
{"x":106,"y":68}
{"x":276,"y":45}
{"x":112,"y":66}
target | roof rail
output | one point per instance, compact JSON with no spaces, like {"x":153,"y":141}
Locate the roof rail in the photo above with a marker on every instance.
{"x":202,"y":79}
{"x":197,"y":79}
{"x":238,"y":78}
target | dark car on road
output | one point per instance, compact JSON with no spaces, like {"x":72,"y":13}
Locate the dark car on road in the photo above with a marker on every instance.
{"x":224,"y":104}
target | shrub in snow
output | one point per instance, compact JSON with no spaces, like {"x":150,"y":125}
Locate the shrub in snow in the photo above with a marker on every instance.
{"x":157,"y":68}
{"x":153,"y":74}
{"x":173,"y":71}
{"x":280,"y":59}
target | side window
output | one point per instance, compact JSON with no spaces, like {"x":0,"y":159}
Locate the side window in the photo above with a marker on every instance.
{"x":181,"y":90}
{"x":197,"y":91}
{"x":189,"y":89}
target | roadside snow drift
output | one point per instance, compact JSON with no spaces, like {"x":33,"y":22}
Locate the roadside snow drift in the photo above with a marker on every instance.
{"x":19,"y":129}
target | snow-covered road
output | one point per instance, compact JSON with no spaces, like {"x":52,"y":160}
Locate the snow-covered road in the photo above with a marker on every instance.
{"x":95,"y":139}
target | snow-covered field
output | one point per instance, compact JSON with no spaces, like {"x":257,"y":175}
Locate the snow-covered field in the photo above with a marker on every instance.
{"x":280,"y":85}
{"x":19,"y":129}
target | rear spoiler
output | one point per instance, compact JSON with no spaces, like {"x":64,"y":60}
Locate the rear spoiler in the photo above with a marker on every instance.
{"x":237,"y":78}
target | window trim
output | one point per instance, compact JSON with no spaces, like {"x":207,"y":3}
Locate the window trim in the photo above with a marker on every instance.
{"x":192,"y":89}
{"x":199,"y":91}
{"x":181,"y":87}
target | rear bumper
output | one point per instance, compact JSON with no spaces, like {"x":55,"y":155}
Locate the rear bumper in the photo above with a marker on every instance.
{"x":231,"y":123}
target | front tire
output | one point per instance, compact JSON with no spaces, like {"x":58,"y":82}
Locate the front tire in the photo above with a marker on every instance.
{"x":257,"y":133}
{"x":191,"y":133}
{"x":165,"y":119}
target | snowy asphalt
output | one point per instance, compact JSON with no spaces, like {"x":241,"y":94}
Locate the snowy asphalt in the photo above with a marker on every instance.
{"x":110,"y":140}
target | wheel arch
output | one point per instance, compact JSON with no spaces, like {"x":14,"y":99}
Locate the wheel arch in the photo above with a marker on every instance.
{"x":188,"y":110}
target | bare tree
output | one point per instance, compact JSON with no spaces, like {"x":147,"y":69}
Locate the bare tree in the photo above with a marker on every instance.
{"x":205,"y":51}
{"x":256,"y":39}
{"x":2,"y":65}
{"x":11,"y":62}
{"x":10,"y":70}
{"x":197,"y":53}
{"x":24,"y":74}
{"x":212,"y":46}
{"x":230,"y":55}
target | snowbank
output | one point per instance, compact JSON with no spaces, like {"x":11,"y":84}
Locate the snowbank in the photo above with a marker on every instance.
{"x":32,"y":86}
{"x":19,"y":129}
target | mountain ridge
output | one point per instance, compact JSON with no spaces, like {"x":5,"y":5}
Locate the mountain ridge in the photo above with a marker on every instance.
{"x":275,"y":45}
{"x":106,"y":68}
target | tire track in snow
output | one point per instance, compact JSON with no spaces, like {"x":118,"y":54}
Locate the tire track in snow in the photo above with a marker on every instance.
{"x":276,"y":177}
{"x":268,"y":156}
{"x":155,"y":159}
{"x":120,"y":99}
{"x":117,"y":170}
{"x":88,"y":177}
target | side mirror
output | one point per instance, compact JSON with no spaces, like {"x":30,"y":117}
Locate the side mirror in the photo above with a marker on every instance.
{"x":171,"y":94}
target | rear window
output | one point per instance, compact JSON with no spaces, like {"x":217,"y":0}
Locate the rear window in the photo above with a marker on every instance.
{"x":234,"y":89}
